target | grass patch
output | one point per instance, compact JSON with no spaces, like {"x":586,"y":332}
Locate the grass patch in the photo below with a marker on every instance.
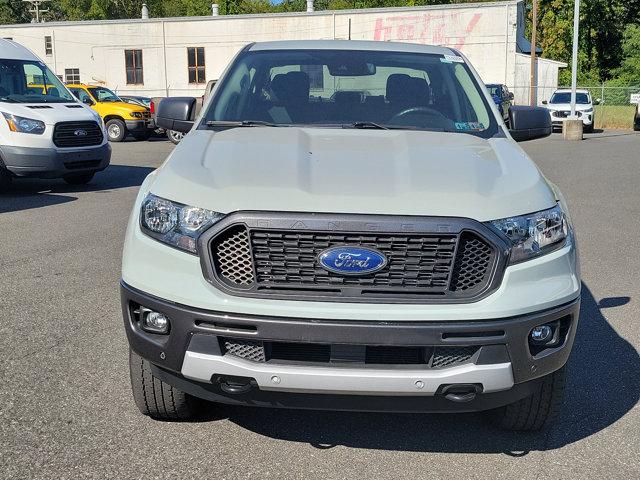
{"x":614,"y":116}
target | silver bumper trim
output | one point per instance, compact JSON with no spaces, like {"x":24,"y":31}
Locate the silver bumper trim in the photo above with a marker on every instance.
{"x":344,"y":380}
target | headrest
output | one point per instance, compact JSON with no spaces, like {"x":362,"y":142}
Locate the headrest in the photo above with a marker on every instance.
{"x":291,"y":87}
{"x":346,"y":96}
{"x":406,"y":89}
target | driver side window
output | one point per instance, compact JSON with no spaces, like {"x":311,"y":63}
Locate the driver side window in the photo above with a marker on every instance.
{"x":81,"y":95}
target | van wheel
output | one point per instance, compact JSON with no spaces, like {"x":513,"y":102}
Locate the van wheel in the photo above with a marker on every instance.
{"x":535,"y":411}
{"x":116,"y":130}
{"x":156,"y":398}
{"x":79,"y":178}
{"x":174,"y":136}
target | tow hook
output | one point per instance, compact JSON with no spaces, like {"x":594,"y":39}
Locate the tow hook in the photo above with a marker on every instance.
{"x":461,"y":392}
{"x":234,"y":385}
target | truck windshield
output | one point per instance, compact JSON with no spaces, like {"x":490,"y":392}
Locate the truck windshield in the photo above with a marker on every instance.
{"x":30,"y":81}
{"x":352,"y":88}
{"x":102,"y":94}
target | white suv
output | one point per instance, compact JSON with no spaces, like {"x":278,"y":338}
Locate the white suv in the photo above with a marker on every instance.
{"x":350,"y":225}
{"x":559,"y":106}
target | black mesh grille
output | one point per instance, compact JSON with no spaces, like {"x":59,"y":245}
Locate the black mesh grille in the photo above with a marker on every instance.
{"x":413,"y":261}
{"x":247,"y":349}
{"x":419,"y":267}
{"x":472,"y":263}
{"x":448,"y":356}
{"x":77,"y":134}
{"x":233,"y":257}
{"x":428,"y":357}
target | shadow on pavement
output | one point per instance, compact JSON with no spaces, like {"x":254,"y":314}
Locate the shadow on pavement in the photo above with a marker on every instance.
{"x":24,"y":194}
{"x":603,"y":386}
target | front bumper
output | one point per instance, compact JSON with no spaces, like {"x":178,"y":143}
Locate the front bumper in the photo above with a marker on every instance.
{"x":53,"y":162}
{"x":191,"y":357}
{"x":140,"y":125}
{"x":587,"y":119}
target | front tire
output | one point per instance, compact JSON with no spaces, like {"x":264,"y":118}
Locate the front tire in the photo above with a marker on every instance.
{"x":588,"y":129}
{"x":116,"y":130}
{"x":174,"y":136}
{"x":158,"y":399}
{"x":142,"y":136}
{"x":5,"y":179}
{"x":79,"y":178}
{"x":536,"y":411}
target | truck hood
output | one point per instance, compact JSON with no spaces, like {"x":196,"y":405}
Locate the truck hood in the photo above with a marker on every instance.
{"x":353,"y":171}
{"x":51,"y":113}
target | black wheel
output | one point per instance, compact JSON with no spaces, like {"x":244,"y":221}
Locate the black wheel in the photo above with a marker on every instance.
{"x":174,"y":136}
{"x":535,"y":411}
{"x":157,"y":399}
{"x":588,"y":129}
{"x":116,"y":130}
{"x":5,"y":178}
{"x":142,"y":136}
{"x":79,"y":178}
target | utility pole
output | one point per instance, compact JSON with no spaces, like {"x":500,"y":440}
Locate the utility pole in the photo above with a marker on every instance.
{"x":574,"y":60}
{"x":534,"y":32}
{"x":36,"y":8}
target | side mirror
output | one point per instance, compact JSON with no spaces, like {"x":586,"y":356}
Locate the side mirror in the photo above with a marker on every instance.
{"x":87,"y":101}
{"x":510,"y":95}
{"x":176,"y":113}
{"x":527,"y":123}
{"x":596,"y":101}
{"x":544,"y":102}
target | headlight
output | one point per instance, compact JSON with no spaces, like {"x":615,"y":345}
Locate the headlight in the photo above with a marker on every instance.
{"x":535,"y":234}
{"x":175,"y":224}
{"x":24,"y":125}
{"x":588,"y":110}
{"x":136,"y":114}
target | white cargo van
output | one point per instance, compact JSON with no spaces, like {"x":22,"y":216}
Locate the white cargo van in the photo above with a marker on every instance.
{"x":44,"y":131}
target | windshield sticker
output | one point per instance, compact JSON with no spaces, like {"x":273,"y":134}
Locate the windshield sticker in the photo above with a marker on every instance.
{"x":469,"y":126}
{"x":453,"y":58}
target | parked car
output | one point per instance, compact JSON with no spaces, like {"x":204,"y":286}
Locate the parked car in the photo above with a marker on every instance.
{"x":559,"y":106}
{"x":44,"y":131}
{"x":121,"y":118}
{"x":398,"y":252}
{"x":136,"y":100}
{"x":503,"y":99}
{"x":173,"y":135}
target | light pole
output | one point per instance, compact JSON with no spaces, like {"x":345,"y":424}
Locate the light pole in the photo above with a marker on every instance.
{"x":574,"y":60}
{"x":36,"y":8}
{"x":534,"y":31}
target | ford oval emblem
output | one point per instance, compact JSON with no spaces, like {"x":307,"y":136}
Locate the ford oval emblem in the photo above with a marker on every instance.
{"x":80,"y":133}
{"x":354,"y":260}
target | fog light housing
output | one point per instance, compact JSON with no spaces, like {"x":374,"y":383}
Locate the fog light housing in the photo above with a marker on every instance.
{"x":541,"y":334}
{"x":152,"y":321}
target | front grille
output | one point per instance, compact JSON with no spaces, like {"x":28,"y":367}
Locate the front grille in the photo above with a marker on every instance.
{"x":67,"y":134}
{"x":420,"y":268}
{"x":358,"y":355}
{"x":82,"y":164}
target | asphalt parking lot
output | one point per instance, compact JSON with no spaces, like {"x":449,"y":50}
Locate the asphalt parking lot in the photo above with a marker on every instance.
{"x":65,"y":404}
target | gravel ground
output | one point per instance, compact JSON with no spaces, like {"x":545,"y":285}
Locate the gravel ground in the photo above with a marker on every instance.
{"x":65,"y":405}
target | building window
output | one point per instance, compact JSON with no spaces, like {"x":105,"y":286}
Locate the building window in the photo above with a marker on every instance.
{"x":133,"y":66}
{"x":48,"y":45}
{"x":72,"y":75}
{"x":195,"y":56}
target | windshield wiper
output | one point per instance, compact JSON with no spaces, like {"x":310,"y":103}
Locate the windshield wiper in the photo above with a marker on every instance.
{"x":365,"y":125}
{"x":242,"y":123}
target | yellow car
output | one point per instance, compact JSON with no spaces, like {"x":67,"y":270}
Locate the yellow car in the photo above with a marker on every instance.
{"x":119,"y":117}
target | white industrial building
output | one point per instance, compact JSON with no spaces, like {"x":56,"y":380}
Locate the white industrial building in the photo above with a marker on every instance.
{"x":176,"y":56}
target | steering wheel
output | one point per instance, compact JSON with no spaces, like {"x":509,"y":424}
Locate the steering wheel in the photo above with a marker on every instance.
{"x":420,"y":110}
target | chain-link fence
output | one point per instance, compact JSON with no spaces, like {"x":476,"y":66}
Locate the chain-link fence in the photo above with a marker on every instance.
{"x":615,"y":105}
